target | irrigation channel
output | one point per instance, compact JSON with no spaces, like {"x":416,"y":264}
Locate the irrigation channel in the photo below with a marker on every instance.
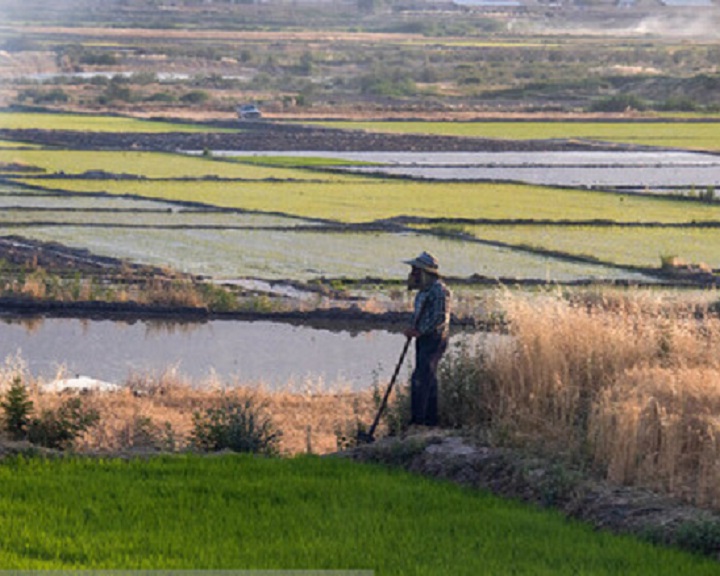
{"x":276,"y":355}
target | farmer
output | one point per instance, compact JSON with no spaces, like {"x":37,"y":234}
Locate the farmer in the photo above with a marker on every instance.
{"x":430,"y":328}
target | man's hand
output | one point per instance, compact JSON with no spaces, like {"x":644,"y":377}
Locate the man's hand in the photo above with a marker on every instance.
{"x":412,"y":333}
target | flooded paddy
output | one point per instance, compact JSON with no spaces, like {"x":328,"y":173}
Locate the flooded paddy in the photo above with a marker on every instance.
{"x":227,"y":254}
{"x":627,"y":169}
{"x":274,"y":354}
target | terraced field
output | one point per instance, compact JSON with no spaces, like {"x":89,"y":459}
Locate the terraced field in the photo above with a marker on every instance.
{"x":307,"y":219}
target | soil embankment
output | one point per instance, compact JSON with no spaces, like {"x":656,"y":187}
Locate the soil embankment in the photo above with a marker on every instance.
{"x":270,"y":136}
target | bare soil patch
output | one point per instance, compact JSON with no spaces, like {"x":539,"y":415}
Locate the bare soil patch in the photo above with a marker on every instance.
{"x":272,"y":136}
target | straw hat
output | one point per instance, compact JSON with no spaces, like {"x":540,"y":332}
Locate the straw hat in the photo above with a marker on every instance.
{"x":425,"y":261}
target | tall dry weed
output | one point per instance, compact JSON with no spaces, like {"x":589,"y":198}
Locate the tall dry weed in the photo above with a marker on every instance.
{"x":660,"y":428}
{"x":628,"y":381}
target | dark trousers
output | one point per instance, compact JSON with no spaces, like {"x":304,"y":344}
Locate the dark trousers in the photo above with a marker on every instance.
{"x":424,"y":385}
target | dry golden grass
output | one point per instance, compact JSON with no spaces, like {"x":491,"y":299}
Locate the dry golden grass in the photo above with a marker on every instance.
{"x":630,"y":381}
{"x":155,"y":412}
{"x":660,"y":428}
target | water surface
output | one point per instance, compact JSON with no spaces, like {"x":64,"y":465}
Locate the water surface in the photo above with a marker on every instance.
{"x":271,"y":353}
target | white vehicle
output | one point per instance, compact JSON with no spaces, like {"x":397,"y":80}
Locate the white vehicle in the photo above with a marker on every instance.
{"x":248,"y":112}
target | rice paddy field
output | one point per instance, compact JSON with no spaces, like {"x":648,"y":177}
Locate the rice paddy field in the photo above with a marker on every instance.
{"x":304,"y":513}
{"x":305,"y":218}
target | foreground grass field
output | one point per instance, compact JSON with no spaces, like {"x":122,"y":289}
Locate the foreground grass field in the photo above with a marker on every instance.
{"x":304,"y":513}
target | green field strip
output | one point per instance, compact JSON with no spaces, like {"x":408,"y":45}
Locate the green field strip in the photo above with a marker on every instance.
{"x":155,"y":165}
{"x":372,"y":199}
{"x":89,"y":123}
{"x":627,"y":246}
{"x":235,"y":512}
{"x":686,"y":135}
{"x":40,"y":203}
{"x":306,"y":255}
{"x":14,"y":144}
{"x":128,"y":214}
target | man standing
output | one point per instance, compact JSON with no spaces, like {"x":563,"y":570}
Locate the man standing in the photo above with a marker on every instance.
{"x":430,"y":328}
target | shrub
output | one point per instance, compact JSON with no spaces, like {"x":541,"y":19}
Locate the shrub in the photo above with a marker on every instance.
{"x":195,"y":97}
{"x":618,"y":103}
{"x":116,"y":91}
{"x":38,"y":96}
{"x":701,"y":537}
{"x":99,"y":59}
{"x":462,"y":377}
{"x":17,"y":408}
{"x":161,"y":97}
{"x":679,"y":104}
{"x":240,"y":425}
{"x":60,"y":428}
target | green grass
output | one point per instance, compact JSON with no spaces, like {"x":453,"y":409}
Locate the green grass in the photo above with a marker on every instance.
{"x":88,"y":123}
{"x":687,"y":135}
{"x":233,"y":512}
{"x":154,"y":165}
{"x":15,"y":144}
{"x":626,"y":246}
{"x":360,"y":199}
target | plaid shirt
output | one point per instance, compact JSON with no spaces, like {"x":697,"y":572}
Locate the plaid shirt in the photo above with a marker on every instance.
{"x":432,"y":309}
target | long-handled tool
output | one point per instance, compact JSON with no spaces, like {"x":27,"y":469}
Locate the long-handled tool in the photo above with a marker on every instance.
{"x":369,"y":436}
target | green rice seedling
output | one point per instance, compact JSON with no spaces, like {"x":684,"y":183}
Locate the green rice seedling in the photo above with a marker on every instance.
{"x":306,"y":513}
{"x":152,"y":165}
{"x":688,"y":135}
{"x":630,"y":246}
{"x":308,"y":255}
{"x":369,"y":199}
{"x":89,"y":123}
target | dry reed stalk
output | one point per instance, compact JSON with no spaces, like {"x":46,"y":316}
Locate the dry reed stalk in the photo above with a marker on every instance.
{"x":170,"y":293}
{"x":660,"y":428}
{"x":563,"y":353}
{"x":632,"y":381}
{"x":33,"y":287}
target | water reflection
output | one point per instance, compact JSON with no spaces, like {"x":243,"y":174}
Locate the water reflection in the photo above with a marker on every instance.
{"x":275,"y":354}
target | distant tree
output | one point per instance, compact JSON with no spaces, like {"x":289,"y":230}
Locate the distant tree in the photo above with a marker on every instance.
{"x":619,"y":103}
{"x":195,"y":97}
